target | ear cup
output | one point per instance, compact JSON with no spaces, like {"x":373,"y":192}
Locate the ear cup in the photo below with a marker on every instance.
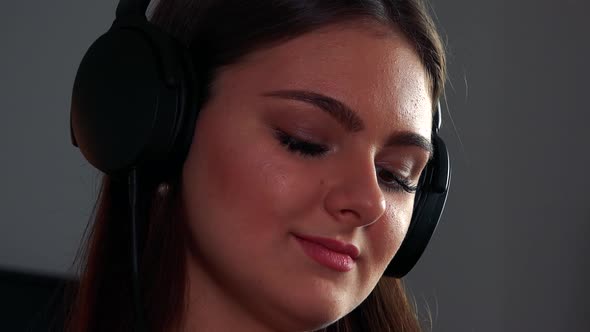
{"x":132,"y":99}
{"x":428,"y":208}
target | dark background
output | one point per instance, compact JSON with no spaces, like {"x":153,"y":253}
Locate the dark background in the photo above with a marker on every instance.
{"x":511,"y":251}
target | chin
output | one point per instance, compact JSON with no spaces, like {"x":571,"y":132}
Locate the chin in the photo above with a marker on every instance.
{"x":312,"y":312}
{"x":308,"y":323}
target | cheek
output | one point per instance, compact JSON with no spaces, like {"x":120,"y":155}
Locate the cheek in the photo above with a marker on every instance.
{"x":225,"y":182}
{"x":389,"y":234}
{"x":401,"y":217}
{"x":292,"y":196}
{"x":246,"y":183}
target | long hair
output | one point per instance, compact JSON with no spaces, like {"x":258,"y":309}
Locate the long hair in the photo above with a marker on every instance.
{"x":220,"y":33}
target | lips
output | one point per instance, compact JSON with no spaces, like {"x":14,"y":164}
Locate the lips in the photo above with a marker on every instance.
{"x":331,"y":253}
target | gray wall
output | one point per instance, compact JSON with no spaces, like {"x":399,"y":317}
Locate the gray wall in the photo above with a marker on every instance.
{"x":48,"y":188}
{"x":510,"y":253}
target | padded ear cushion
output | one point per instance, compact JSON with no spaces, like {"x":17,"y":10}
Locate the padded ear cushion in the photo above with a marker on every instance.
{"x":428,"y":208}
{"x":131,"y":98}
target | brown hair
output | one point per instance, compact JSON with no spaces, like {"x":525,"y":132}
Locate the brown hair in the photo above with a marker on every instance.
{"x":219,"y":33}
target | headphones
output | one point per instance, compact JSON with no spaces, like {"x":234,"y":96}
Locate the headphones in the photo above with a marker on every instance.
{"x":135,"y":104}
{"x":429,"y":203}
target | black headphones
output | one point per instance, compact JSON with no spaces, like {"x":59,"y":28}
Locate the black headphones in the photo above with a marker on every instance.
{"x":133,"y":101}
{"x":134,"y":106}
{"x":429,"y":203}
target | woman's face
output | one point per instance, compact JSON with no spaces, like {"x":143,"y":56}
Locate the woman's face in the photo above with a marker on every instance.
{"x":295,"y":185}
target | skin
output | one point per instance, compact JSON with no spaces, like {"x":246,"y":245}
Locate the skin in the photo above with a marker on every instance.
{"x":245,"y":195}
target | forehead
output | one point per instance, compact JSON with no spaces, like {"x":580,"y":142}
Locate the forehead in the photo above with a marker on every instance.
{"x":373,"y":69}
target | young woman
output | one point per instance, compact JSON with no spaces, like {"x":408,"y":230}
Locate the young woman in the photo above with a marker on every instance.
{"x":314,"y":126}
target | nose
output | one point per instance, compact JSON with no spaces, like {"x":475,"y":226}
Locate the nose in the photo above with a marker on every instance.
{"x":355,"y":197}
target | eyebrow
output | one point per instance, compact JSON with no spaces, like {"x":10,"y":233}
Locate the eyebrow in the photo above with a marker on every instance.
{"x":349,"y":119}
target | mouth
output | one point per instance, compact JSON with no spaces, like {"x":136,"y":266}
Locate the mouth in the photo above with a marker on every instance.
{"x":331,"y":253}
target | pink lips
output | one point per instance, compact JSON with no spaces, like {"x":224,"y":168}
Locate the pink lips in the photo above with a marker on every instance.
{"x":331,"y":253}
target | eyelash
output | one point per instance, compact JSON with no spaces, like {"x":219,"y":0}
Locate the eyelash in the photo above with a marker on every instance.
{"x":313,"y":150}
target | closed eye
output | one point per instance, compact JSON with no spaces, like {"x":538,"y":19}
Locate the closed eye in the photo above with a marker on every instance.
{"x":303,"y":147}
{"x":394,"y":182}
